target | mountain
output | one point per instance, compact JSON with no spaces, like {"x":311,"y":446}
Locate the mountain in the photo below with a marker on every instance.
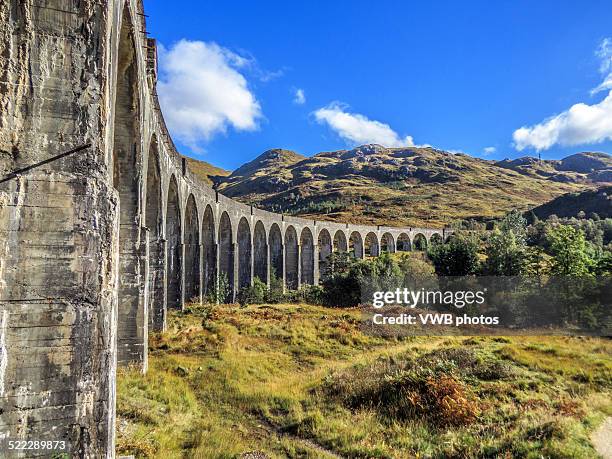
{"x":208,"y":173}
{"x":404,"y":186}
{"x":568,"y":205}
{"x":581,"y":167}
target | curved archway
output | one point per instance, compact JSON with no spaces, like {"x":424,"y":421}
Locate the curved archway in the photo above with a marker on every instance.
{"x":371,"y":245}
{"x":307,"y":257}
{"x":260,"y":252}
{"x":419,"y":242}
{"x":275,"y":239}
{"x":154,"y":222}
{"x":244,"y":253}
{"x":356,"y":245}
{"x":173,"y":240}
{"x":126,"y":157}
{"x":226,"y":253}
{"x":192,"y":251}
{"x":325,"y":249}
{"x":291,"y":258}
{"x":340,"y":244}
{"x":209,"y":254}
{"x":387,"y":243}
{"x":403,"y":243}
{"x":436,"y":238}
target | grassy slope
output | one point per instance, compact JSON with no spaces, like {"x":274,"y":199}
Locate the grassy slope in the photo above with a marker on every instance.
{"x":206,"y":171}
{"x":408,"y":186}
{"x":264,"y":378}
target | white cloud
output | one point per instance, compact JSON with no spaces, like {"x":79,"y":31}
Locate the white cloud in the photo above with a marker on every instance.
{"x":202,"y":92}
{"x":358,"y":129}
{"x":604,"y":53}
{"x":299,"y":97}
{"x":489,"y":150}
{"x":581,"y":123}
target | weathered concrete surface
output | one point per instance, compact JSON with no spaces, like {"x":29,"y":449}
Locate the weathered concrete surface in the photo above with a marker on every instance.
{"x":96,"y":247}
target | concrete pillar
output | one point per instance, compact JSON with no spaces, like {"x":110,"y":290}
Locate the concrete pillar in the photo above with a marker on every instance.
{"x":201,"y":273}
{"x":269,"y":268}
{"x":162,"y":311}
{"x":145,"y":299}
{"x":252,"y":262}
{"x":236,"y":270}
{"x":299,"y":265}
{"x":284,"y":268}
{"x":316,"y":274}
{"x":182,"y":271}
{"x":217,"y":271}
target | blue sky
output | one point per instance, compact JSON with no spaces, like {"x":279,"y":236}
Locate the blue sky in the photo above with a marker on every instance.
{"x":460,"y":76}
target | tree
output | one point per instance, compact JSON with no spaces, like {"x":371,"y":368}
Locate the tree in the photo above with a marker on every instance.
{"x":569,"y":252}
{"x":505,"y":254}
{"x":457,"y":257}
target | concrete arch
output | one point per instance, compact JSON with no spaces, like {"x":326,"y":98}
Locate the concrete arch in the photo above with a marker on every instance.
{"x":275,"y":241}
{"x":372,"y":248}
{"x":419,"y":242}
{"x":291,"y":258}
{"x":307,"y":257}
{"x":192,"y":251}
{"x":226,"y":253}
{"x":324,"y":242}
{"x":174,"y":254}
{"x":209,"y":252}
{"x":126,"y":157}
{"x":157,"y":248}
{"x":387,"y":243}
{"x":356,"y":245}
{"x":260,"y":252}
{"x":340,"y":244}
{"x":245,"y":260}
{"x":403,"y":243}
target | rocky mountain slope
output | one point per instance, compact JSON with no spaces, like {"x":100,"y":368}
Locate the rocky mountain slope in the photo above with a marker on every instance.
{"x":568,"y":205}
{"x":407,"y":186}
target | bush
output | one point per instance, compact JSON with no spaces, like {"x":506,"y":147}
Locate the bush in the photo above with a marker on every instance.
{"x":253,"y":294}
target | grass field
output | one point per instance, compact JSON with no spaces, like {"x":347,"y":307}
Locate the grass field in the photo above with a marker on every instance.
{"x":304,"y":381}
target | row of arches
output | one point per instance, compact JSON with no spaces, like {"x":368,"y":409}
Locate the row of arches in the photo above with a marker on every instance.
{"x":186,"y":254}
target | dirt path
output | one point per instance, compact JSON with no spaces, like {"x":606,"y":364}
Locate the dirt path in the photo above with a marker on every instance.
{"x":602,"y":439}
{"x":326,"y":453}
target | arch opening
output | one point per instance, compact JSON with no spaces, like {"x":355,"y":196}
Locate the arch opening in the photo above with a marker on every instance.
{"x":403,"y":243}
{"x":260,"y":253}
{"x":244,"y":253}
{"x":325,"y":249}
{"x":307,"y":257}
{"x":387,"y":243}
{"x":173,"y":241}
{"x":209,"y":254}
{"x":276,"y":252}
{"x":192,"y":251}
{"x":340,"y":244}
{"x":226,"y":255}
{"x":153,"y":222}
{"x":371,"y":245}
{"x":355,"y":245}
{"x":436,"y":238}
{"x":291,"y":258}
{"x":419,"y":242}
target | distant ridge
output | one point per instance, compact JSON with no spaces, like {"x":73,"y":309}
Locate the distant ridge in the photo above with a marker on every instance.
{"x":568,"y":205}
{"x":409,"y":186}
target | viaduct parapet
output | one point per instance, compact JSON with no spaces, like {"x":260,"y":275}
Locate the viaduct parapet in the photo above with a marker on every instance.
{"x":96,"y":247}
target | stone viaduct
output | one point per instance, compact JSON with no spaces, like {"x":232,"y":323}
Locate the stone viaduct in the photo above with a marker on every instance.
{"x":95,"y":247}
